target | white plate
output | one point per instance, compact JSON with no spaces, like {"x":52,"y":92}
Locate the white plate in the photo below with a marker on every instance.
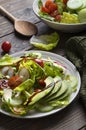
{"x":71,"y":70}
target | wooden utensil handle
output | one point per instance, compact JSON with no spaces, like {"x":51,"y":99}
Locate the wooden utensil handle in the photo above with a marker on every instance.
{"x":6,"y":13}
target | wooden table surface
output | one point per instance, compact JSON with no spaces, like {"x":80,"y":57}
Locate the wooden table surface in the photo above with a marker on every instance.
{"x":71,"y":118}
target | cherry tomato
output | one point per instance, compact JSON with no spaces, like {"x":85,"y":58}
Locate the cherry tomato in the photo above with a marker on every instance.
{"x":14,"y":81}
{"x":54,"y":13}
{"x":44,"y":9}
{"x":41,"y":82}
{"x":65,"y":1}
{"x":6,"y":46}
{"x":58,"y":18}
{"x":40,"y":62}
{"x":47,"y":3}
{"x":52,"y":7}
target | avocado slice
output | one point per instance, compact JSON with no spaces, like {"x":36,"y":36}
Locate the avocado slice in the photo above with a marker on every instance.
{"x":66,"y":93}
{"x":41,"y":94}
{"x":62,"y":90}
{"x":48,"y":80}
{"x":54,"y":90}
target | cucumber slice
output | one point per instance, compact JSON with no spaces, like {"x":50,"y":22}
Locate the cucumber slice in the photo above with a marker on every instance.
{"x":44,"y":107}
{"x":7,"y":98}
{"x":73,"y":83}
{"x":82,"y":15}
{"x":84,"y":3}
{"x":74,"y":4}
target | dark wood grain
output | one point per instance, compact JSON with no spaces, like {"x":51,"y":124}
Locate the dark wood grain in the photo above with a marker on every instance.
{"x":71,"y":118}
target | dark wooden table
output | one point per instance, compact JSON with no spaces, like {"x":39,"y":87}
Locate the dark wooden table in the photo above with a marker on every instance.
{"x":71,"y":118}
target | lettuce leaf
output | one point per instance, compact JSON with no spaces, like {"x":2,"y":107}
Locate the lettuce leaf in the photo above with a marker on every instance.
{"x":35,"y":70}
{"x":8,"y":60}
{"x":46,"y":16}
{"x":45,"y":42}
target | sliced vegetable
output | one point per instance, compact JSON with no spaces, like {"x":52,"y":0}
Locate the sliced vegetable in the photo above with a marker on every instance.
{"x":74,"y":4}
{"x":10,"y":99}
{"x":82,"y":15}
{"x":9,"y":60}
{"x":26,"y":85}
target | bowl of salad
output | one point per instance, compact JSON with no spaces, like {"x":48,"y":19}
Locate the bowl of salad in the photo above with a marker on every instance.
{"x":36,"y":84}
{"x":63,"y":15}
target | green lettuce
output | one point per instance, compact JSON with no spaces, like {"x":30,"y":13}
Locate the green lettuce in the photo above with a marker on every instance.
{"x":45,"y":42}
{"x":8,"y":60}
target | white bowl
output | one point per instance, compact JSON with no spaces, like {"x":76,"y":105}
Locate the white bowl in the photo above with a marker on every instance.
{"x":71,"y":28}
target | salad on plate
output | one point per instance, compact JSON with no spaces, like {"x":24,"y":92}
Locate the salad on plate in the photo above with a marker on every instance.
{"x":34,"y":83}
{"x":63,"y":11}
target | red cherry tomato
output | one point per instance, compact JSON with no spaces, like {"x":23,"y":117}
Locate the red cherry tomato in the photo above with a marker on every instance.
{"x":40,"y":62}
{"x":44,"y":9}
{"x":52,"y":7}
{"x":54,"y":13}
{"x":41,"y":82}
{"x":6,"y":46}
{"x":58,"y":18}
{"x":14,"y":81}
{"x":47,"y":3}
{"x":65,"y":1}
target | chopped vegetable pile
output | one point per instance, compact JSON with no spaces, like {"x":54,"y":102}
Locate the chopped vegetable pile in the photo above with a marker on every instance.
{"x":63,"y":11}
{"x":31,"y":82}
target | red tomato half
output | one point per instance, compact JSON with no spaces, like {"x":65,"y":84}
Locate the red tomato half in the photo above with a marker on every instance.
{"x":44,"y":9}
{"x":41,"y":82}
{"x":52,"y":7}
{"x":58,"y":18}
{"x":47,"y":3}
{"x":14,"y":81}
{"x":54,"y":13}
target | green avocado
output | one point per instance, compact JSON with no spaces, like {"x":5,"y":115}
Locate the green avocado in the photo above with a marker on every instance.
{"x":54,"y":91}
{"x":61,"y":91}
{"x":41,"y":94}
{"x":66,"y":94}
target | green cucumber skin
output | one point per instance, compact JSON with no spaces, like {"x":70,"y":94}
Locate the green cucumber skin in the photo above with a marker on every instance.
{"x":54,"y":91}
{"x":62,"y":90}
{"x":82,"y":15}
{"x":74,"y":6}
{"x":66,"y":94}
{"x":40,"y":95}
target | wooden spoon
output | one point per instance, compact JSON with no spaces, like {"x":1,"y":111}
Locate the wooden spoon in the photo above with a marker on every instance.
{"x":23,"y":27}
